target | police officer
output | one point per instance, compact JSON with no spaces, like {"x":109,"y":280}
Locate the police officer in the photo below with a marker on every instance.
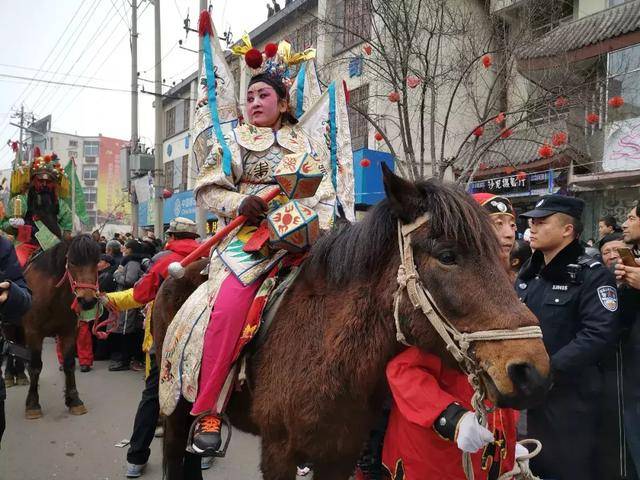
{"x":575,"y":299}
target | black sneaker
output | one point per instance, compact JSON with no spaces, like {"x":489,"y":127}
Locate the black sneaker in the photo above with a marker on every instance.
{"x":206,"y":436}
{"x":118,"y":366}
{"x":85,"y":368}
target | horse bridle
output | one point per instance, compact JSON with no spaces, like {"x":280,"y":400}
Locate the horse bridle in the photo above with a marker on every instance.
{"x":456,"y":342}
{"x":76,"y":285}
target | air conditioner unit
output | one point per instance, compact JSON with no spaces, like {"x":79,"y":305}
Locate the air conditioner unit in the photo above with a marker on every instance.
{"x":89,"y":183}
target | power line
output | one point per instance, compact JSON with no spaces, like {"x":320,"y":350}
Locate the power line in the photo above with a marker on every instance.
{"x":33,"y":69}
{"x":65,"y":84}
{"x":117,"y":9}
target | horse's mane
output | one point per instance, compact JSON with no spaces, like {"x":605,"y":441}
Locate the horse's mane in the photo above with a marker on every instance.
{"x":362,"y":250}
{"x":80,"y":250}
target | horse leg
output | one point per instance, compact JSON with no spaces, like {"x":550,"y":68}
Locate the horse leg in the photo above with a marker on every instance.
{"x":18,"y":364}
{"x":178,"y":464}
{"x":71,"y":397}
{"x":33,"y":408}
{"x":276,"y":463}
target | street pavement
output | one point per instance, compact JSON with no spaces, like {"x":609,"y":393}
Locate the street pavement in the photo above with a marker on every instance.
{"x":65,"y":447}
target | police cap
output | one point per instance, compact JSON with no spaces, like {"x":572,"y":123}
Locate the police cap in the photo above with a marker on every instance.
{"x":550,"y":204}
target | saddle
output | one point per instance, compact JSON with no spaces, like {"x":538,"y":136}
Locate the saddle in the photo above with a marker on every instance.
{"x":183,"y":345}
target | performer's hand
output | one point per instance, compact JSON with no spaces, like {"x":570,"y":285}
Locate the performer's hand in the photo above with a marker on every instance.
{"x":4,"y":291}
{"x":521,"y":451}
{"x":470,"y":435}
{"x":254,"y":208}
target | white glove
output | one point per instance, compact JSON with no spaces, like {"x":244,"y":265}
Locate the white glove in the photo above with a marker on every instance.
{"x":16,"y":222}
{"x":472,"y":436}
{"x":521,"y":450}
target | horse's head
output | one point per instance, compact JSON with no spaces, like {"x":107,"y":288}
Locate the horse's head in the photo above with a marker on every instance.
{"x":82,"y":268}
{"x":456,"y":257}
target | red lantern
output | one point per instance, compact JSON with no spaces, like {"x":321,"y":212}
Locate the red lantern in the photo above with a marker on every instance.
{"x":561,"y":102}
{"x":413,"y":81}
{"x":509,"y":170}
{"x":394,"y":97}
{"x":14,"y":146}
{"x":486,"y":61}
{"x":499,"y":118}
{"x":378,"y":136}
{"x":545,"y":151}
{"x":167,"y":193}
{"x":506,"y":133}
{"x":253,"y":58}
{"x":479,"y":131}
{"x":367,"y":49}
{"x":270,"y":50}
{"x":365,"y":162}
{"x":521,"y":176}
{"x":593,"y":118}
{"x":559,"y":138}
{"x":616,"y":102}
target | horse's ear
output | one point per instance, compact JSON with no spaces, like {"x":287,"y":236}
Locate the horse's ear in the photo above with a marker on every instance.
{"x":403,"y":195}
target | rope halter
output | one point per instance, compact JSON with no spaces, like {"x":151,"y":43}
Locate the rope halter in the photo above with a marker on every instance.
{"x":457,"y":343}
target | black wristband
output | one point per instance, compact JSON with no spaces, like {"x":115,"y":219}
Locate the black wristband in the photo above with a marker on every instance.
{"x":447,"y":422}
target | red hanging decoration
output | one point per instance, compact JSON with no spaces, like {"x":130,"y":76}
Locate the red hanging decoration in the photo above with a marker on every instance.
{"x":36,"y":152}
{"x":365,"y":162}
{"x":378,"y":136}
{"x":561,"y":102}
{"x":479,"y":131}
{"x":506,"y":133}
{"x":593,"y":118}
{"x":204,"y":24}
{"x":616,"y":102}
{"x":394,"y":97}
{"x":270,"y":50}
{"x":486,"y":61}
{"x":413,"y":81}
{"x":14,"y":146}
{"x":509,"y":170}
{"x":559,"y":138}
{"x":500,"y":118}
{"x":253,"y":58}
{"x":521,"y":176}
{"x":545,"y":151}
{"x":367,"y":49}
{"x":167,"y":193}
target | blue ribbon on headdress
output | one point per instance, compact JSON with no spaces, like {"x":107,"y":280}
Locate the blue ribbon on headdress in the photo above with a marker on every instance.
{"x":213,"y":106}
{"x":300,"y":90}
{"x":333,"y":134}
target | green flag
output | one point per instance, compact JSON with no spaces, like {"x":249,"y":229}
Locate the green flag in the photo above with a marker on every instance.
{"x":81,"y":209}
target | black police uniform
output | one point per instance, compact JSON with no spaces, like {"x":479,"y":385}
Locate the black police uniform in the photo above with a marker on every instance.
{"x":575,"y":300}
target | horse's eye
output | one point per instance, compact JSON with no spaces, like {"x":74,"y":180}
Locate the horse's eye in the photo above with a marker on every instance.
{"x":447,"y":258}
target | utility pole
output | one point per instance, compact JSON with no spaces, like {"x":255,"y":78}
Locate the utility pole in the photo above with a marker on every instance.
{"x":21,"y":128}
{"x":133,"y":149}
{"x":201,"y":213}
{"x":158,"y":180}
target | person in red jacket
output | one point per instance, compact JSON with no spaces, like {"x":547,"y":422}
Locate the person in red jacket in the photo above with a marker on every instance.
{"x":432,"y":421}
{"x":182,"y":241}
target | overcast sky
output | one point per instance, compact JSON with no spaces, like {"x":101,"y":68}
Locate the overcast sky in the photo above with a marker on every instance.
{"x":86,"y":43}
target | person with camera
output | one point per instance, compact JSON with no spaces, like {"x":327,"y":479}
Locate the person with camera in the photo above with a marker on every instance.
{"x":627,"y":271}
{"x":15,"y":300}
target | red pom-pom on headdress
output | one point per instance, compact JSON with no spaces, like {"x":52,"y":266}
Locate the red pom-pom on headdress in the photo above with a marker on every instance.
{"x":270,"y":50}
{"x":36,"y":152}
{"x":253,"y":58}
{"x":204,"y":24}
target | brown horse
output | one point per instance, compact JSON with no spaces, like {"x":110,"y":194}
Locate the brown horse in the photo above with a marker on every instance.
{"x":59,"y":278}
{"x":317,"y":384}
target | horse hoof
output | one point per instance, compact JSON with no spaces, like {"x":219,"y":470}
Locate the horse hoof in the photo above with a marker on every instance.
{"x":78,"y":410}
{"x":22,"y":380}
{"x":33,"y":413}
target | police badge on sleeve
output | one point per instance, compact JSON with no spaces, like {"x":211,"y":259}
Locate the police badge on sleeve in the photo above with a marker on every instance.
{"x":608,"y":298}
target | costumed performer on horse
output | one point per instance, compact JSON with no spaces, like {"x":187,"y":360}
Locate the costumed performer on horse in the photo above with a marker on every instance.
{"x":38,"y":216}
{"x":433,"y":422}
{"x":237,"y":165}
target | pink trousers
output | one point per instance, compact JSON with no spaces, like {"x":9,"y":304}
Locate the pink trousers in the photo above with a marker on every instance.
{"x":225,"y":327}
